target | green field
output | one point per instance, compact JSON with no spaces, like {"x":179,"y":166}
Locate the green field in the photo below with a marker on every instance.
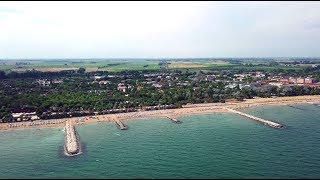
{"x":132,"y":66}
{"x":117,"y":65}
{"x":237,"y":67}
{"x":101,"y":65}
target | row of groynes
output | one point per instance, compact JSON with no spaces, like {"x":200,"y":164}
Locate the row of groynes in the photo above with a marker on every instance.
{"x":263,"y":121}
{"x":72,"y":143}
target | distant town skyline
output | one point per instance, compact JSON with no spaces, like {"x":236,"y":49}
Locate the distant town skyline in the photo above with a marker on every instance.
{"x":36,"y":30}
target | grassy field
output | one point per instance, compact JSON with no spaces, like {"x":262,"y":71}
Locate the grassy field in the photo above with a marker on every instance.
{"x":199,"y":64}
{"x":264,"y":67}
{"x":6,"y":68}
{"x":132,"y":66}
{"x":101,"y":65}
{"x":90,"y":65}
{"x":117,"y":65}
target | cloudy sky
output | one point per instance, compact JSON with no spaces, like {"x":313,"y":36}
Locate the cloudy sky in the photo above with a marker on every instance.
{"x":159,"y":29}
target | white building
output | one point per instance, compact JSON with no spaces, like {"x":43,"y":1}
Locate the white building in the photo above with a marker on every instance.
{"x":25,"y":116}
{"x":43,"y":82}
{"x":98,"y":77}
{"x":300,"y":80}
{"x":104,"y":82}
{"x":308,"y":80}
{"x":278,"y":84}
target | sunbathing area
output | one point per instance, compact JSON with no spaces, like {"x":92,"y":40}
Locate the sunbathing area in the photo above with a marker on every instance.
{"x":206,"y":108}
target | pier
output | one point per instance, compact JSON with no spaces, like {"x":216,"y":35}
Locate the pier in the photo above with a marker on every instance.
{"x":72,"y":145}
{"x":265,"y":122}
{"x":174,"y":120}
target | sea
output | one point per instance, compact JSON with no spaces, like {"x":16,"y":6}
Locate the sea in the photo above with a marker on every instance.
{"x":203,"y":146}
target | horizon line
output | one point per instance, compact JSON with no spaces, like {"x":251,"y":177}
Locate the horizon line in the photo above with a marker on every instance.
{"x":119,"y":58}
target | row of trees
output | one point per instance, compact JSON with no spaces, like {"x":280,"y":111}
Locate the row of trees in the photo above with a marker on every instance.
{"x":67,"y":100}
{"x":80,"y":96}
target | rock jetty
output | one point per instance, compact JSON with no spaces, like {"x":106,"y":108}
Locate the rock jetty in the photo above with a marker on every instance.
{"x":265,"y":122}
{"x":72,"y":145}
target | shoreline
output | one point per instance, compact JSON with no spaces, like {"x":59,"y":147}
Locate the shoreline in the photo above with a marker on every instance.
{"x":192,"y":109}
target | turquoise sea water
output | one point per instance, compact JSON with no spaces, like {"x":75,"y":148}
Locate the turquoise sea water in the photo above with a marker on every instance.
{"x":203,"y":146}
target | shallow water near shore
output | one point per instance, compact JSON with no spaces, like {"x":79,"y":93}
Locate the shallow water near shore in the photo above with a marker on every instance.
{"x":203,"y":146}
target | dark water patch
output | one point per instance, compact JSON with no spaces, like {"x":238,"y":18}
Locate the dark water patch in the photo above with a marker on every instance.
{"x":305,"y":107}
{"x":296,"y":107}
{"x":317,"y":105}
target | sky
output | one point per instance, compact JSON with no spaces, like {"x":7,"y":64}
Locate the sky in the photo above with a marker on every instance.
{"x":159,"y":29}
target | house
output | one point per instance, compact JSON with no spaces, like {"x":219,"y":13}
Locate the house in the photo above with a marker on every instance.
{"x":56,"y":81}
{"x":285,"y":80}
{"x":276,"y":84}
{"x":293,"y":80}
{"x":234,"y":85}
{"x":157,"y":85}
{"x":308,"y":80}
{"x":185,"y":83}
{"x":239,"y":79}
{"x":245,"y":86}
{"x":139,"y":88}
{"x":43,"y":82}
{"x":104,"y":82}
{"x":97,"y":77}
{"x":300,"y":80}
{"x":210,"y":77}
{"x":195,"y":88}
{"x":259,"y":74}
{"x":122,"y":88}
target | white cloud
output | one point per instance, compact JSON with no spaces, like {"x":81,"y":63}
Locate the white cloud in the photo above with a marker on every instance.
{"x":153,"y":29}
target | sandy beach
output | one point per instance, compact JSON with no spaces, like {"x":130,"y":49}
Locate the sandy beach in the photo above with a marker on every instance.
{"x":206,"y":108}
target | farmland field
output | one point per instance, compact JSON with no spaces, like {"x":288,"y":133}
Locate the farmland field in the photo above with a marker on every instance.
{"x":196,"y":64}
{"x":117,"y":65}
{"x":90,"y":65}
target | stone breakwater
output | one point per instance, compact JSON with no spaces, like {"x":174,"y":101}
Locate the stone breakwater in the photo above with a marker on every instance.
{"x":265,"y":122}
{"x":174,"y":120}
{"x":72,"y":145}
{"x":120,"y":125}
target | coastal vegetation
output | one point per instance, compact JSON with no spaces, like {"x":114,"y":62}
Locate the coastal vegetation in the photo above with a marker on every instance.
{"x":78,"y":92}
